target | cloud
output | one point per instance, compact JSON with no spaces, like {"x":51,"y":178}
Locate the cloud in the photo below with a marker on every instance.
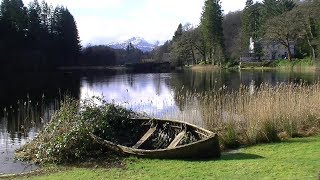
{"x":104,"y":21}
{"x":157,"y":20}
{"x":232,"y":5}
{"x":151,"y":19}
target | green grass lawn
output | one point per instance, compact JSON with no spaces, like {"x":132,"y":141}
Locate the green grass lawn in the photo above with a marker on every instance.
{"x":293,"y":159}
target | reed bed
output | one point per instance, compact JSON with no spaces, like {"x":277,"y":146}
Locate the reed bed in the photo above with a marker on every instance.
{"x":27,"y":114}
{"x":266,"y":113}
{"x":249,"y":115}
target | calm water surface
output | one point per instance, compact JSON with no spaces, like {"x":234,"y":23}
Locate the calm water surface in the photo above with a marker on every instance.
{"x":28,"y":100}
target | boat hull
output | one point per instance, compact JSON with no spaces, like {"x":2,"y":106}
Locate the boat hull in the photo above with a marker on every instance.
{"x":207,"y":147}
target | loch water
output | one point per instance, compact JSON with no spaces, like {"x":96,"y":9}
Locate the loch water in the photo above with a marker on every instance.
{"x":28,"y":100}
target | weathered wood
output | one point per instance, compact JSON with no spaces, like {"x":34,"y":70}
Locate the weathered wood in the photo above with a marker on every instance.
{"x":205,"y":146}
{"x":177,"y":139}
{"x":145,"y":137}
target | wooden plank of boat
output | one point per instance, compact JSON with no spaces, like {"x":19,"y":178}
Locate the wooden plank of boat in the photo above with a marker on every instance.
{"x":206,"y":147}
{"x":177,"y":139}
{"x":145,"y":137}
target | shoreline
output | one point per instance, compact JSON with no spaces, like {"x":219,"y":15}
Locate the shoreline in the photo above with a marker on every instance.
{"x":11,"y":166}
{"x":276,"y":65}
{"x":259,"y":157}
{"x":85,"y":68}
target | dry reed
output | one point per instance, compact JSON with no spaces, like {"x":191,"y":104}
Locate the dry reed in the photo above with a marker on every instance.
{"x":262,"y":114}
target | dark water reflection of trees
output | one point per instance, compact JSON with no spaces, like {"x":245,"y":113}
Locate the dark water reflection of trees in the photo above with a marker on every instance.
{"x":201,"y":81}
{"x":28,"y":100}
{"x":190,"y":86}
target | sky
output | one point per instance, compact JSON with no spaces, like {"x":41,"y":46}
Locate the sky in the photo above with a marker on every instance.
{"x":107,"y":21}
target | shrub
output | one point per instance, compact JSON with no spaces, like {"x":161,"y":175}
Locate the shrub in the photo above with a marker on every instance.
{"x":229,"y":137}
{"x":67,"y":137}
{"x":268,"y":133}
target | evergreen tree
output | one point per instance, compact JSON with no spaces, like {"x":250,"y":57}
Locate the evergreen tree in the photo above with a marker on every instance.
{"x":182,"y":49}
{"x":36,"y":37}
{"x":66,"y":40}
{"x":46,"y":16}
{"x":178,"y":33}
{"x":132,"y":54}
{"x":232,"y":25}
{"x":251,"y":24}
{"x":34,"y":23}
{"x":272,"y":8}
{"x":13,"y":34}
{"x":70,"y":35}
{"x":286,"y":5}
{"x":199,"y":43}
{"x":98,"y":56}
{"x":211,"y":26}
{"x":14,"y":12}
{"x":158,"y":54}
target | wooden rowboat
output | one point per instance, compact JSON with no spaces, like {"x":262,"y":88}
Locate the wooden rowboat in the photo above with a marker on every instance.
{"x":167,"y":139}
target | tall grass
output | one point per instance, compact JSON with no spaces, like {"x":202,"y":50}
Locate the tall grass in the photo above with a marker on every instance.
{"x":26,"y":115}
{"x":262,"y":114}
{"x":301,"y":64}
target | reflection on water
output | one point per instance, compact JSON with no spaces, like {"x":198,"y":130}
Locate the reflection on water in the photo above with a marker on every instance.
{"x":28,"y":100}
{"x":169,"y":95}
{"x":206,"y":81}
{"x":19,"y":123}
{"x":148,"y":93}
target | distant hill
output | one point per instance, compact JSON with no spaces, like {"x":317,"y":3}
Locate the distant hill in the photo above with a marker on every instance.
{"x":137,"y":42}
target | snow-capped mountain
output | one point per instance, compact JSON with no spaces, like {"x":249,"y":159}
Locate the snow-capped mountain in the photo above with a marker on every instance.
{"x":137,"y":42}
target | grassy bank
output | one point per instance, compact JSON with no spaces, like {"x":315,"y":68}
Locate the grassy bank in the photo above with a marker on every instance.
{"x":283,"y":64}
{"x":294,"y":63}
{"x":204,"y":67}
{"x":292,"y":159}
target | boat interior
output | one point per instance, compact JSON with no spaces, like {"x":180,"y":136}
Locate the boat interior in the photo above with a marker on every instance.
{"x":167,"y":134}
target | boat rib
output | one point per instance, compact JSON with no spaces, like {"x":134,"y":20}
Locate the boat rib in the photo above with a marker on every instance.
{"x":177,"y":139}
{"x":145,"y":137}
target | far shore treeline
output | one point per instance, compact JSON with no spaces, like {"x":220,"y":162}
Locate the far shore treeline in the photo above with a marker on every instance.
{"x":40,"y":37}
{"x":37,"y":37}
{"x":222,"y":39}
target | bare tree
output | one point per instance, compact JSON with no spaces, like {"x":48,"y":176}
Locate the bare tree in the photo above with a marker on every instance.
{"x":285,"y":28}
{"x":310,"y":11}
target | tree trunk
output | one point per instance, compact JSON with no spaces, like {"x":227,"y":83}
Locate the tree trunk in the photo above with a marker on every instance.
{"x":289,"y":54}
{"x":289,"y":50}
{"x":310,"y":37}
{"x":212,"y":56}
{"x":210,"y":60}
{"x":313,"y":51}
{"x":193,"y":56}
